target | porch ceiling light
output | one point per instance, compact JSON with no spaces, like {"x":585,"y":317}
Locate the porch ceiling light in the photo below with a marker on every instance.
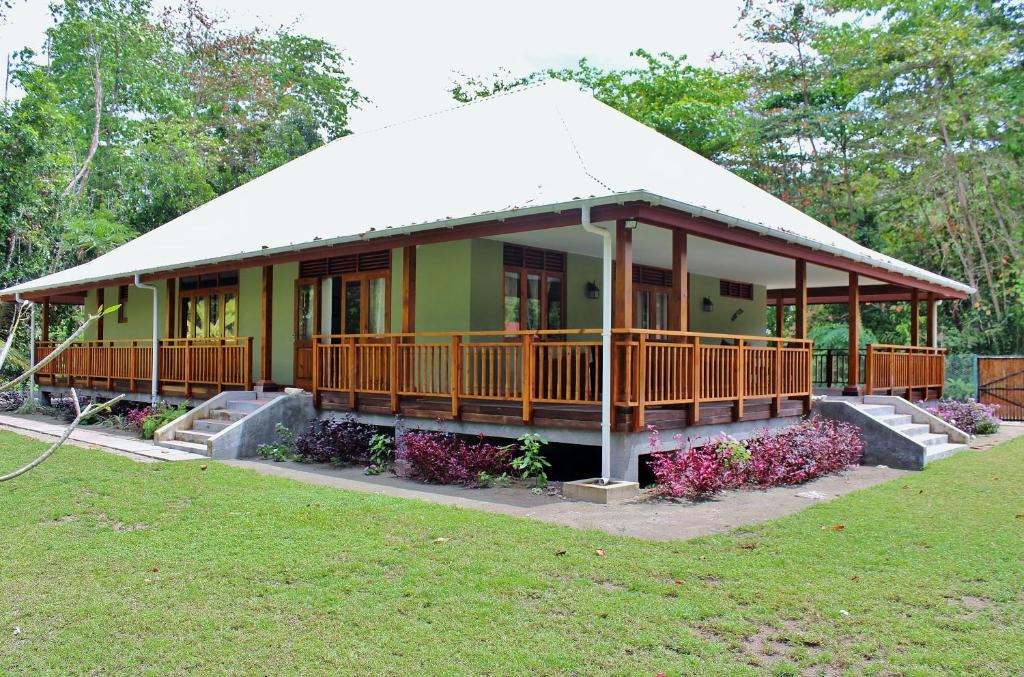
{"x":631,"y":224}
{"x":708,"y":305}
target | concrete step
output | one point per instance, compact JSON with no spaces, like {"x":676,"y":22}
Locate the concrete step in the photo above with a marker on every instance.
{"x":211,"y":425}
{"x":911,"y":429}
{"x":931,"y":439}
{"x":896,"y":420}
{"x":186,"y":446}
{"x":228,"y":415}
{"x":936,"y":451}
{"x":193,"y":436}
{"x":877,"y":410}
{"x":245,"y":406}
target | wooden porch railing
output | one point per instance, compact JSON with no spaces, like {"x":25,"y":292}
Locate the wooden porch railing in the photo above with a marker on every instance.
{"x":564,"y":367}
{"x":904,"y":369}
{"x":214,"y":364}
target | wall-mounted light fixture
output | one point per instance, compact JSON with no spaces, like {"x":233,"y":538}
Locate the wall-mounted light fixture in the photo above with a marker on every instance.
{"x":592,"y":290}
{"x":631,"y":224}
{"x":708,"y":305}
{"x":739,"y":311}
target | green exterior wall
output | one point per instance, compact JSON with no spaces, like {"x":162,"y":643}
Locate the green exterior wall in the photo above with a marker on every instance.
{"x":752,"y":322}
{"x":250,"y":299}
{"x":581,"y":312}
{"x":283,"y":331}
{"x":138,"y":313}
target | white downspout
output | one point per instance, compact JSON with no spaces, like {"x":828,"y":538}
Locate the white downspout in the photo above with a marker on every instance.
{"x":31,"y":345}
{"x":156,"y":336}
{"x":606,"y":341}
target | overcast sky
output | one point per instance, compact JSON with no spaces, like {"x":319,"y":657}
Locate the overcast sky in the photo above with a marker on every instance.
{"x":405,"y":53}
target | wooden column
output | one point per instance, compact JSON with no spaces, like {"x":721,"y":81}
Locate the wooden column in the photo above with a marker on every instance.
{"x":622,"y":301}
{"x":679,"y":304}
{"x":932,"y":319}
{"x":100,"y":322}
{"x":45,"y":329}
{"x":853,"y":370}
{"x":266,"y":327}
{"x":780,"y":319}
{"x":408,"y":290}
{"x":801,"y":299}
{"x":172,"y":305}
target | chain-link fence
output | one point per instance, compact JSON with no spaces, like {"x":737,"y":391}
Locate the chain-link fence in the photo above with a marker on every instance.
{"x":961,"y":376}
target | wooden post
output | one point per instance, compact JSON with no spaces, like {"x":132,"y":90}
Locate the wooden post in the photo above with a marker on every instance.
{"x":131,"y":364}
{"x":741,"y":384}
{"x":853,"y":368}
{"x":172,"y":305}
{"x":915,"y":318}
{"x":266,"y":326}
{"x":780,"y":319}
{"x":393,"y":375}
{"x":455,"y":375}
{"x":622,"y":301}
{"x":640,"y":419}
{"x":103,"y":318}
{"x":408,"y":290}
{"x":527,"y":375}
{"x":777,"y":402}
{"x":695,"y":382}
{"x":869,"y":370}
{"x":932,"y":320}
{"x":188,"y":368}
{"x":801,"y":299}
{"x":110,"y":366}
{"x":679,"y":304}
{"x":352,"y":374}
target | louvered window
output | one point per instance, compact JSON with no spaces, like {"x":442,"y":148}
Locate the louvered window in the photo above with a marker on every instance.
{"x":348,"y":263}
{"x":534,"y":288}
{"x":736,"y":290}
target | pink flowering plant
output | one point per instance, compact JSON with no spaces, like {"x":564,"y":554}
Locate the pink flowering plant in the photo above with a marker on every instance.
{"x":791,"y":455}
{"x":973,"y":417}
{"x":446,"y":458}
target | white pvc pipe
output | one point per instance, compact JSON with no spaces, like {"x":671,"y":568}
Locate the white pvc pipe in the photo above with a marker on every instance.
{"x":606,"y":340}
{"x":156,"y":336}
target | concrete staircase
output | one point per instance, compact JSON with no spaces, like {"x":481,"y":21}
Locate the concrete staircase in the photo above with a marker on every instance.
{"x":896,"y":432}
{"x":936,"y":444}
{"x":196,"y":438}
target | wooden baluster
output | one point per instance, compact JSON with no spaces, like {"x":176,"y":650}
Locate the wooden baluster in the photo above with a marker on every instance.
{"x":741,"y":378}
{"x":526,"y":367}
{"x":110,"y":365}
{"x":350,"y":369}
{"x":640,"y":417}
{"x":316,"y":371}
{"x":132,"y":349}
{"x":393,"y":357}
{"x":455,"y":377}
{"x":777,"y":402}
{"x":220,"y":365}
{"x":695,"y":384}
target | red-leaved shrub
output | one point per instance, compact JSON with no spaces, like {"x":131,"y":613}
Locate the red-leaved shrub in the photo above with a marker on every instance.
{"x":791,"y":455}
{"x":445,"y":458}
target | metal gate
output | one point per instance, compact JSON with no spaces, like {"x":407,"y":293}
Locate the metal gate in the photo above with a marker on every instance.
{"x":1001,"y":381}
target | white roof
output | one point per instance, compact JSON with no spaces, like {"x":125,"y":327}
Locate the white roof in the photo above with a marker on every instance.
{"x":536,"y":149}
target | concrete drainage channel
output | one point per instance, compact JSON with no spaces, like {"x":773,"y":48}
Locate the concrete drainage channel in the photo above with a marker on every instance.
{"x":896,"y":433}
{"x":234,"y":424}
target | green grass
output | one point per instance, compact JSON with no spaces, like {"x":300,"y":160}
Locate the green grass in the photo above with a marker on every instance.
{"x":111,"y":567}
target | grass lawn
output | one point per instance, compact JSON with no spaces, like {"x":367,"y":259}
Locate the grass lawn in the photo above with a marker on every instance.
{"x":112,"y":567}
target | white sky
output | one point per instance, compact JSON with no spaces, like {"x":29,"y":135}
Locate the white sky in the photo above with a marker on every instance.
{"x":405,"y":53}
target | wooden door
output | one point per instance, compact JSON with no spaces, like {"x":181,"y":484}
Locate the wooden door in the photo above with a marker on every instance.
{"x":1001,"y":381}
{"x":307,"y":322}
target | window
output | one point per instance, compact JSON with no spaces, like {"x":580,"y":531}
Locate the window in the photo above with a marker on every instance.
{"x":534,"y":288}
{"x":736,"y":290}
{"x":122,"y":299}
{"x":208,"y":305}
{"x":651,"y":290}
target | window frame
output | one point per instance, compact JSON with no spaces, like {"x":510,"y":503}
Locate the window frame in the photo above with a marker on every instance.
{"x":122,"y":301}
{"x":206,"y":293}
{"x":524,"y":272}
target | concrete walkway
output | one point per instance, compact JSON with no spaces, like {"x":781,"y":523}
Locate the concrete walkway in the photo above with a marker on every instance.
{"x":646,"y":519}
{"x":48,"y":430}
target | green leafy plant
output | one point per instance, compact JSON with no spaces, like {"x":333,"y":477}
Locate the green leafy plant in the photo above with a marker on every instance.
{"x":531,"y":461}
{"x":382,"y":449}
{"x":281,"y":450}
{"x":485,"y":480}
{"x":161,"y":415}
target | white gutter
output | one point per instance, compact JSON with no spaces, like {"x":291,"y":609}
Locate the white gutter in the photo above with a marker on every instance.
{"x":606,"y":340}
{"x":154,"y":375}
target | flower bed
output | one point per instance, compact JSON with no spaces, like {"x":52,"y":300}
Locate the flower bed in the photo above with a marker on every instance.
{"x":974,"y":418}
{"x":445,"y":458}
{"x":339,"y":441}
{"x":809,"y":449}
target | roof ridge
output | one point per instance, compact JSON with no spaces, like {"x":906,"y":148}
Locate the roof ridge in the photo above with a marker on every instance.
{"x":576,"y":151}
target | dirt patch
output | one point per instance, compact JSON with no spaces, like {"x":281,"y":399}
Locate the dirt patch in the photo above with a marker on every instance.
{"x":971,"y":606}
{"x":608,"y":585}
{"x":103,"y":520}
{"x":65,"y":519}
